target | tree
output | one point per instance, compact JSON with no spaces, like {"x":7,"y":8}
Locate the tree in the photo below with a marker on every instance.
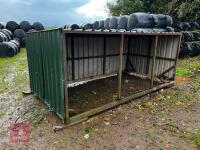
{"x":181,"y":10}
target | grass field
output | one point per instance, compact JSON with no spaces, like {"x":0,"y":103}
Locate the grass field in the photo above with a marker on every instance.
{"x":168,"y":119}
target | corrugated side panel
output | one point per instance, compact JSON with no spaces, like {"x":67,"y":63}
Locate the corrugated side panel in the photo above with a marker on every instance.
{"x":88,"y":56}
{"x":45,"y":60}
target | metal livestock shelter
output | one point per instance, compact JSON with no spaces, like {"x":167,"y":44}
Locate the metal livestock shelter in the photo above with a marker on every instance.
{"x":81,"y":73}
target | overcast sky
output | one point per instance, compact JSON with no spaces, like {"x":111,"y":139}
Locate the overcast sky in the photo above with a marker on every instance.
{"x":53,"y":12}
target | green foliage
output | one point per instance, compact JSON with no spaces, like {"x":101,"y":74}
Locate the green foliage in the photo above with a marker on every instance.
{"x":181,"y":10}
{"x":195,"y":137}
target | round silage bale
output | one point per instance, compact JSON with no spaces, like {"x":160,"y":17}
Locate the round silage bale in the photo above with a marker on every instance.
{"x":16,"y":43}
{"x":25,"y":25}
{"x":32,"y":30}
{"x":96,"y":25}
{"x":160,"y":20}
{"x":113,"y":24}
{"x":2,"y":37}
{"x":87,"y":26}
{"x":169,"y":20}
{"x":23,"y":42}
{"x":20,"y":34}
{"x":2,"y":25}
{"x":185,"y":26}
{"x":122,"y":22}
{"x":101,"y":24}
{"x":140,"y":20}
{"x":6,"y":50}
{"x":12,"y":26}
{"x":106,"y":24}
{"x":8,"y":32}
{"x":38,"y":26}
{"x":5,"y":36}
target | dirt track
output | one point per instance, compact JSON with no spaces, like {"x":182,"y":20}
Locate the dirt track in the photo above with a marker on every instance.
{"x":168,"y":119}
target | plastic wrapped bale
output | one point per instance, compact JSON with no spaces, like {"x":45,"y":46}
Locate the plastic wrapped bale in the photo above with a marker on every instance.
{"x":140,"y":20}
{"x":7,"y":50}
{"x":194,"y":25}
{"x":113,"y":24}
{"x":2,"y":26}
{"x":74,"y":27}
{"x":23,"y":42}
{"x":143,"y":30}
{"x":169,"y":20}
{"x":12,"y":26}
{"x":160,"y":20}
{"x":101,"y":24}
{"x":7,"y":33}
{"x":159,"y":30}
{"x":106,"y":24}
{"x":87,"y":26}
{"x":195,"y":49}
{"x":20,"y":34}
{"x":184,"y":50}
{"x":122,"y":23}
{"x":25,"y":25}
{"x":67,"y":26}
{"x":32,"y":30}
{"x":96,"y":25}
{"x":14,"y":46}
{"x":3,"y":36}
{"x":170,"y":29}
{"x":176,"y":26}
{"x":185,"y":26}
{"x":38,"y":26}
{"x":187,"y":37}
{"x":16,"y":43}
{"x":196,"y":35}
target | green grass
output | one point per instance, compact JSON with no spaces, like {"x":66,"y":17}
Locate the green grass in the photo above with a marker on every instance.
{"x":13,"y":71}
{"x":188,"y":66}
{"x":183,"y":72}
{"x":194,"y":137}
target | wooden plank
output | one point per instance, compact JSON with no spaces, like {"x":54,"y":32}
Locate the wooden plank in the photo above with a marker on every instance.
{"x":120,"y":66}
{"x":177,"y":53}
{"x":154,"y":61}
{"x":98,"y":110}
{"x":66,"y":107}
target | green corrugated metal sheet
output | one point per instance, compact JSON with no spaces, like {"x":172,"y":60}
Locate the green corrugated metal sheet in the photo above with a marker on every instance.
{"x":45,"y":61}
